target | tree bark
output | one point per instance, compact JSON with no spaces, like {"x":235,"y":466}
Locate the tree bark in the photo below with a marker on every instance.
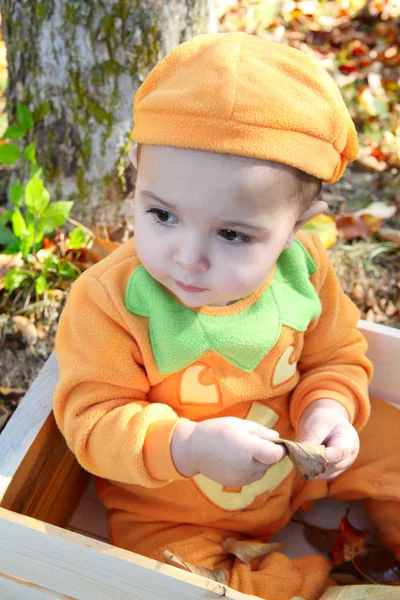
{"x":77,"y":65}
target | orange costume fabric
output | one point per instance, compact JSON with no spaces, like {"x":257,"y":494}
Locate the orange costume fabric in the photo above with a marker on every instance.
{"x":240,"y":94}
{"x":121,"y":393}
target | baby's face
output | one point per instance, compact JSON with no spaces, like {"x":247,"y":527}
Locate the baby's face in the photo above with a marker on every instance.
{"x":209,"y":227}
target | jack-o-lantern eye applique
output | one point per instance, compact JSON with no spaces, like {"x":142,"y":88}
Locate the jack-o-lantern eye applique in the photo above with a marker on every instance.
{"x":197,"y":388}
{"x":285,"y":367}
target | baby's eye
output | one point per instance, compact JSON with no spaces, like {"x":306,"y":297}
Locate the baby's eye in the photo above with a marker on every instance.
{"x":163,"y":216}
{"x":234,"y":236}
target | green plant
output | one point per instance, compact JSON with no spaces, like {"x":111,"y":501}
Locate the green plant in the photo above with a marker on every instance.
{"x":31,"y":216}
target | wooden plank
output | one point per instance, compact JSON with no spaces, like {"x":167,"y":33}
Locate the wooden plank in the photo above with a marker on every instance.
{"x":15,"y":589}
{"x":68,"y":563}
{"x":39,"y":476}
{"x":384,"y":353}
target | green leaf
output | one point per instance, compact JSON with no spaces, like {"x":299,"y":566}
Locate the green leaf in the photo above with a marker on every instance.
{"x":24,"y":117}
{"x":54,"y":215}
{"x":15,"y":278}
{"x":16,"y":192}
{"x":9,"y":154}
{"x":50,"y":265}
{"x":36,"y":196}
{"x":6,"y":236}
{"x":78,"y":238}
{"x":67,"y":271}
{"x":5,"y":217}
{"x":35,"y":170}
{"x":26,"y":248}
{"x":41,"y":285}
{"x":13,"y":248}
{"x":30,"y":152}
{"x":19,"y":225}
{"x":14,"y":132}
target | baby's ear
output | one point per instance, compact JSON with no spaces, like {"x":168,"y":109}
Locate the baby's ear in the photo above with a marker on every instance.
{"x":315,"y":209}
{"x":133,"y":157}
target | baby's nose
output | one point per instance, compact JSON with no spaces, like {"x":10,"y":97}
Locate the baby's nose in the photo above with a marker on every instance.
{"x":191,"y":256}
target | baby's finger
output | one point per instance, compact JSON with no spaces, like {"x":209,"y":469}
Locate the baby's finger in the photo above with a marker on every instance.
{"x":267,"y":452}
{"x":261,"y":431}
{"x":336,"y":454}
{"x":331,"y":475}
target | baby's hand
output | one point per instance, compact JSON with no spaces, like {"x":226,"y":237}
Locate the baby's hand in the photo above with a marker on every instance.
{"x":234,"y":452}
{"x":327,"y":422}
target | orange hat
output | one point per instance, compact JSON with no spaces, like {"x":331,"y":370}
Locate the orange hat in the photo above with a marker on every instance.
{"x":239,"y":94}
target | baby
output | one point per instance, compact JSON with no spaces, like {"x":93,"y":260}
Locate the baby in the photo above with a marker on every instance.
{"x":186,"y":352}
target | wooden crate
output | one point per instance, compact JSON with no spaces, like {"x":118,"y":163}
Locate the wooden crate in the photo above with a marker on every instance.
{"x":43,"y":497}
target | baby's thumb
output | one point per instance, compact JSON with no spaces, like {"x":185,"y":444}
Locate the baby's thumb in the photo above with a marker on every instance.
{"x":315,"y":434}
{"x":263,"y":432}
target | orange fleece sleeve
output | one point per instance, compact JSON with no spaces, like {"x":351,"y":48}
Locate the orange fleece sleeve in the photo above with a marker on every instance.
{"x":333,"y":363}
{"x":100,"y":402}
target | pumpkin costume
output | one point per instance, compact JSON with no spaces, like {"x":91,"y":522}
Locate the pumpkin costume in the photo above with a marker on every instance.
{"x":134,"y":360}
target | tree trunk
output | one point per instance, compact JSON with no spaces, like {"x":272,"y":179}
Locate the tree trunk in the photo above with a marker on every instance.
{"x":77,"y":65}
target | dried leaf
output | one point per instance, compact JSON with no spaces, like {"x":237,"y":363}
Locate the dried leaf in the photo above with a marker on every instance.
{"x":352,"y":226}
{"x":390,"y":235}
{"x":361,"y":592}
{"x":25,"y":328}
{"x":377,"y":566}
{"x":175,"y":561}
{"x":7,"y":261}
{"x":352,"y":541}
{"x":378,"y":209}
{"x":309,"y":459}
{"x":370,"y":164}
{"x":247,"y":551}
{"x":100,"y":248}
{"x":5,"y":414}
{"x":322,"y":539}
{"x":12,"y":393}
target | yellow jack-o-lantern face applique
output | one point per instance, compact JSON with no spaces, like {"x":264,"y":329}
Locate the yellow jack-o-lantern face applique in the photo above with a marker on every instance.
{"x":195,"y":389}
{"x":285,"y":368}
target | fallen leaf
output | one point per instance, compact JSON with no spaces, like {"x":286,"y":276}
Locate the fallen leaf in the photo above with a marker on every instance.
{"x":361,"y":592}
{"x":309,"y":459}
{"x":5,"y":414}
{"x":352,"y":541}
{"x":370,"y":164}
{"x":358,"y":291}
{"x":351,"y":226}
{"x":324,"y":226}
{"x":390,"y":235}
{"x":12,"y":393}
{"x":377,"y":566}
{"x":247,"y":551}
{"x":25,"y":328}
{"x":100,"y":248}
{"x":378,"y":209}
{"x":322,"y":539}
{"x":175,"y":561}
{"x":10,"y":260}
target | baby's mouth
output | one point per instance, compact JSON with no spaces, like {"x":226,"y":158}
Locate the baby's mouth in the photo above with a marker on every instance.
{"x":192,"y":289}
